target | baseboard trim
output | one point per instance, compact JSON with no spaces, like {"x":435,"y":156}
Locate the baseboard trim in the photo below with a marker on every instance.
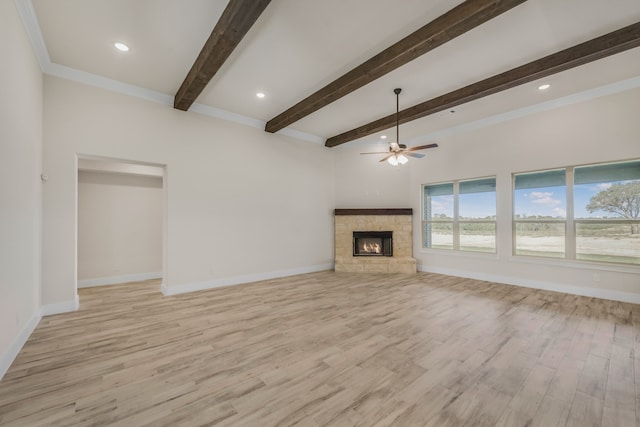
{"x":115,"y":280}
{"x":239,"y":280}
{"x":17,"y":344}
{"x":537,"y":284}
{"x":60,"y":307}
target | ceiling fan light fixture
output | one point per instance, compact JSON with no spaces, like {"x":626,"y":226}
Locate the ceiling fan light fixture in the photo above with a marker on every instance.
{"x":121,"y":47}
{"x":398,"y":154}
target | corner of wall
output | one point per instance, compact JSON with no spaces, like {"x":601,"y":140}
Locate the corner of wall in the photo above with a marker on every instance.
{"x":12,"y":352}
{"x":538,"y":284}
{"x":239,"y":280}
{"x":60,"y":307}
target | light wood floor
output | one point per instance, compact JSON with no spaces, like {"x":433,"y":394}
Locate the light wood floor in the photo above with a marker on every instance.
{"x":331,"y":349}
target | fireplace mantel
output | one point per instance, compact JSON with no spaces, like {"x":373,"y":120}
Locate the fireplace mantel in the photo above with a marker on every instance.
{"x":380,"y":211}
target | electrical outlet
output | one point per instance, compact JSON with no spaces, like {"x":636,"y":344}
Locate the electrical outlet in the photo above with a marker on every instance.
{"x":596,"y":277}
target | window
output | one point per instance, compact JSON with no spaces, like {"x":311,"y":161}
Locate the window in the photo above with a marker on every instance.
{"x":589,"y":213}
{"x":438,"y":216}
{"x":540,"y":202}
{"x":607,"y":212}
{"x":460,"y":215}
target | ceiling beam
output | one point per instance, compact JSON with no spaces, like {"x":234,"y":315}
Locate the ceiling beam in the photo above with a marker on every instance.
{"x":236,"y":20}
{"x":592,"y":50}
{"x":452,"y":24}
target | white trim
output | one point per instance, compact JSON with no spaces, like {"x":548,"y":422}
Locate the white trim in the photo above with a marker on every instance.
{"x":553,"y":262}
{"x":60,"y":307}
{"x":459,"y":253}
{"x":32,"y":27}
{"x":538,"y":284}
{"x":238,"y":280}
{"x":12,"y":352}
{"x":608,"y":89}
{"x":226,"y":115}
{"x":90,"y":79}
{"x":302,"y":135}
{"x":575,"y":263}
{"x":114,"y":280}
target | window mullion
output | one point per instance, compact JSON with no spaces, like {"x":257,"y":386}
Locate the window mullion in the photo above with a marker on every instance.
{"x":456,"y":219}
{"x":570,"y":232}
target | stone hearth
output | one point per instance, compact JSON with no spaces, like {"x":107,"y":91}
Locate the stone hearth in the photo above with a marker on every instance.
{"x":398,"y":221}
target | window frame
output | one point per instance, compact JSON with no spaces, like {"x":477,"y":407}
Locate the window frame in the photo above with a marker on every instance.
{"x":568,"y":214}
{"x":570,"y":221}
{"x":456,"y":221}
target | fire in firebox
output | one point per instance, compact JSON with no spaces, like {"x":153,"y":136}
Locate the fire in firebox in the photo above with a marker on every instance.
{"x":372,"y":243}
{"x":370,"y":247}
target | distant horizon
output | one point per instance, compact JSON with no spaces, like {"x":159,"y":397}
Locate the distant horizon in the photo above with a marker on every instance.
{"x":548,"y":202}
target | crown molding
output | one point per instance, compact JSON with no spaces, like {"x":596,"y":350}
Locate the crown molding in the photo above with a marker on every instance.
{"x":608,"y":89}
{"x":32,"y":26}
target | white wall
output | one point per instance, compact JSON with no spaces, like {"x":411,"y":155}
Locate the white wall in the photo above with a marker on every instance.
{"x":20,"y":186}
{"x":241,"y":203}
{"x":362,"y":181}
{"x":599,"y":130}
{"x":119,"y":227}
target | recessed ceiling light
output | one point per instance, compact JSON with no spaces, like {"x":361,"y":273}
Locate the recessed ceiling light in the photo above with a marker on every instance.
{"x":383,"y":137}
{"x":260,"y":95}
{"x":121,"y":47}
{"x":544,"y":86}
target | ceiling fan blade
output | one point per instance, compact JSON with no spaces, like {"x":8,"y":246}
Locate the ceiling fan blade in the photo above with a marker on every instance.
{"x":377,"y":152}
{"x":422,"y":147}
{"x":410,"y":154}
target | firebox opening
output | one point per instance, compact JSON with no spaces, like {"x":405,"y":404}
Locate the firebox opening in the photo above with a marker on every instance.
{"x":372,"y":243}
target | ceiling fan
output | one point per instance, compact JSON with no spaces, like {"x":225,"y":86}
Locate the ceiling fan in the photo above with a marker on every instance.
{"x":397,"y":154}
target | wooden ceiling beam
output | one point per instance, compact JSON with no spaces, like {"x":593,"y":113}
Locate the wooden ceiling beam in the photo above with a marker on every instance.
{"x":610,"y":44}
{"x":452,"y":24}
{"x":236,"y":20}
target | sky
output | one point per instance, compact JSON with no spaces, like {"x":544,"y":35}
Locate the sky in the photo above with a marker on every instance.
{"x":547,"y":201}
{"x":551,"y":201}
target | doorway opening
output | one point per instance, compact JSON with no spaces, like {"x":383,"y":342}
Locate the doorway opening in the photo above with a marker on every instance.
{"x":121,"y":221}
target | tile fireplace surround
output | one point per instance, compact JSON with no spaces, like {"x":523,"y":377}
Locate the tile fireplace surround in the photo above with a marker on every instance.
{"x":398,"y":221}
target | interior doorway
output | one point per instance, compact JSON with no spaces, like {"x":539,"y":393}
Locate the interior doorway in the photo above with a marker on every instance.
{"x":121,"y":211}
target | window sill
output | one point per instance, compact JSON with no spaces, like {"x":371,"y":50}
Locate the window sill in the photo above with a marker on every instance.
{"x":466,"y":254}
{"x":583,"y":265}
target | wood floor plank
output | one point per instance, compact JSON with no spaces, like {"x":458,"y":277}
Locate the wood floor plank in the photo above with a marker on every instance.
{"x":566,"y":379}
{"x":338,"y":349}
{"x":586,"y":411}
{"x":551,"y":413}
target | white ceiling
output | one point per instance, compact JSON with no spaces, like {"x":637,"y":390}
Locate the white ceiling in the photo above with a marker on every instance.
{"x":298,"y":46}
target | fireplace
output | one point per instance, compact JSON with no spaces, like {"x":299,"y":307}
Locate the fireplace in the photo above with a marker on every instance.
{"x":379,"y":224}
{"x":373,"y":243}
